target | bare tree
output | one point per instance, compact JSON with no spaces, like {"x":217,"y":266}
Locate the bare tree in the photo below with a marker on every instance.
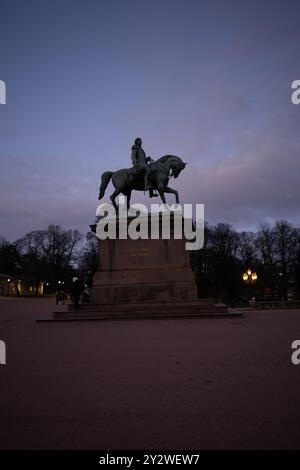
{"x":222,"y":247}
{"x":32,"y":256}
{"x":89,"y":255}
{"x":285,"y":245}
{"x":49,"y":254}
{"x":247,"y":248}
{"x":265,"y":242}
{"x":10,"y":261}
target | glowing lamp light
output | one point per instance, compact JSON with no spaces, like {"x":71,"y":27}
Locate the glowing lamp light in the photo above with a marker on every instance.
{"x":249,"y":276}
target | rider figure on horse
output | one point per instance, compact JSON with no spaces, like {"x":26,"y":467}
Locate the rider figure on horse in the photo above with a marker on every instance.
{"x":140,"y":162}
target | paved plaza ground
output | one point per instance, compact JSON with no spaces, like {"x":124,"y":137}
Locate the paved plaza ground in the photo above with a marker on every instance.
{"x":148,"y":384}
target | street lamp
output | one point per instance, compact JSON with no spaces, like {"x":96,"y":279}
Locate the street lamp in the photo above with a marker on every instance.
{"x":249,"y":278}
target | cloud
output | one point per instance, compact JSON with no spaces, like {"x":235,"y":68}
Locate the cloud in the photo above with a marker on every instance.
{"x":35,"y":193}
{"x":256,"y":180}
{"x":259,"y":182}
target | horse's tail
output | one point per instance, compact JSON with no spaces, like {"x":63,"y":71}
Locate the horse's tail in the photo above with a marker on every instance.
{"x":105,"y":179}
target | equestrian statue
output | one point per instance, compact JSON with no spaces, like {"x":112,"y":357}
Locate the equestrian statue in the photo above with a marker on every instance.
{"x":145,"y":175}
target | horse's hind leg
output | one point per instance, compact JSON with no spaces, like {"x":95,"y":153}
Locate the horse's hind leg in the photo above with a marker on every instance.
{"x":128,"y":197}
{"x":113,"y":199}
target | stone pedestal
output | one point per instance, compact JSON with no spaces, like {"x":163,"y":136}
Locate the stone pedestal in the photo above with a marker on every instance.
{"x":145,"y":278}
{"x":143,"y":270}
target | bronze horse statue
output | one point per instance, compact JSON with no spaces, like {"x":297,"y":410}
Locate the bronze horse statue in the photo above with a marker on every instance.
{"x":127,"y":180}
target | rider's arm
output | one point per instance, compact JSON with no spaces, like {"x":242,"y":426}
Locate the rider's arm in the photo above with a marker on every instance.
{"x":134,"y":155}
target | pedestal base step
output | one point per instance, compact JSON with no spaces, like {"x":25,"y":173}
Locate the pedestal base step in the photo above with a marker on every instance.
{"x":169,"y":309}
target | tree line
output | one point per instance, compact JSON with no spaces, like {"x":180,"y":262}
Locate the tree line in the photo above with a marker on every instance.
{"x":52,"y":256}
{"x":273,"y":252}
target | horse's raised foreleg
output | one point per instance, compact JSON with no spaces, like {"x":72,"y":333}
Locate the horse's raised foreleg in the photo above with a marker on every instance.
{"x":172,"y":191}
{"x":161,"y":189}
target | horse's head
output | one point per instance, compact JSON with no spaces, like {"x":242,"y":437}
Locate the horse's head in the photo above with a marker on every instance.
{"x":177,"y":167}
{"x":173,"y":164}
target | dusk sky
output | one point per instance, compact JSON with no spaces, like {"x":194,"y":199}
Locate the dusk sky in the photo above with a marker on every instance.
{"x":209,"y":81}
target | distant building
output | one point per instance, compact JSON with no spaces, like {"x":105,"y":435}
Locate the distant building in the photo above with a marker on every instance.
{"x":11,"y":286}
